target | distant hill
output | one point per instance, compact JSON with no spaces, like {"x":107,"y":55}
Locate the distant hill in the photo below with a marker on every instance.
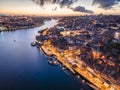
{"x":3,"y":14}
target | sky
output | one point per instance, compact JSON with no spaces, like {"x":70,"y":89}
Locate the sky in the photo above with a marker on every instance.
{"x":59,"y":7}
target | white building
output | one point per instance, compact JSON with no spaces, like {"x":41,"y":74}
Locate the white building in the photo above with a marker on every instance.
{"x":2,"y":28}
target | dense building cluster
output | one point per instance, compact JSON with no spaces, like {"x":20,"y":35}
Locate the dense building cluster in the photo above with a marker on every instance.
{"x":20,"y":22}
{"x":96,"y":38}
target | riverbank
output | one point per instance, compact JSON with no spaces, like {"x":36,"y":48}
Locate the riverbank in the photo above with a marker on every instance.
{"x":72,"y":56}
{"x":20,"y":28}
{"x":11,"y":23}
{"x":95,"y":79}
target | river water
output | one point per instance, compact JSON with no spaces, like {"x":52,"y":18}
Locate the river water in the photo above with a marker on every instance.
{"x":23,"y":67}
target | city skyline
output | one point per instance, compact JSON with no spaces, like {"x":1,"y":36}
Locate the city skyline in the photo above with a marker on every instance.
{"x":59,"y":7}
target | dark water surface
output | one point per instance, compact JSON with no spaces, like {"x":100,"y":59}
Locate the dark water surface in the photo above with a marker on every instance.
{"x":23,"y":67}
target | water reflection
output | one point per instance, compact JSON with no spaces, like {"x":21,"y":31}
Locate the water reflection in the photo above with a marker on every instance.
{"x":23,"y":67}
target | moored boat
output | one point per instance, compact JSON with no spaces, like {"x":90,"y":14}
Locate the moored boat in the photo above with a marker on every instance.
{"x":33,"y":44}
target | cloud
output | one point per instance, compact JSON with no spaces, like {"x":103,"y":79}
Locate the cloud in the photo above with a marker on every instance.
{"x":67,"y":3}
{"x":39,"y":2}
{"x":62,"y":3}
{"x":106,"y":4}
{"x":82,"y":9}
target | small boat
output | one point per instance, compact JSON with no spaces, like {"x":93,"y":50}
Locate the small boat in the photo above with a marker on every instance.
{"x":78,"y":76}
{"x":33,"y":44}
{"x":50,"y":62}
{"x":64,"y":68}
{"x":83,"y":81}
{"x":55,"y":62}
{"x":14,"y":40}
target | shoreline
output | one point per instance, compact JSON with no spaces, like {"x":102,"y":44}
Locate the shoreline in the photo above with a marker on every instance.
{"x":95,"y":79}
{"x":20,"y":28}
{"x":82,"y":52}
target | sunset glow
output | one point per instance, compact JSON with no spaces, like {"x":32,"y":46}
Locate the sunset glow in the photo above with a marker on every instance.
{"x":28,"y":7}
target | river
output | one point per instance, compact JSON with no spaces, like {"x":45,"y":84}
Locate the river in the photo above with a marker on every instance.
{"x":23,"y":67}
